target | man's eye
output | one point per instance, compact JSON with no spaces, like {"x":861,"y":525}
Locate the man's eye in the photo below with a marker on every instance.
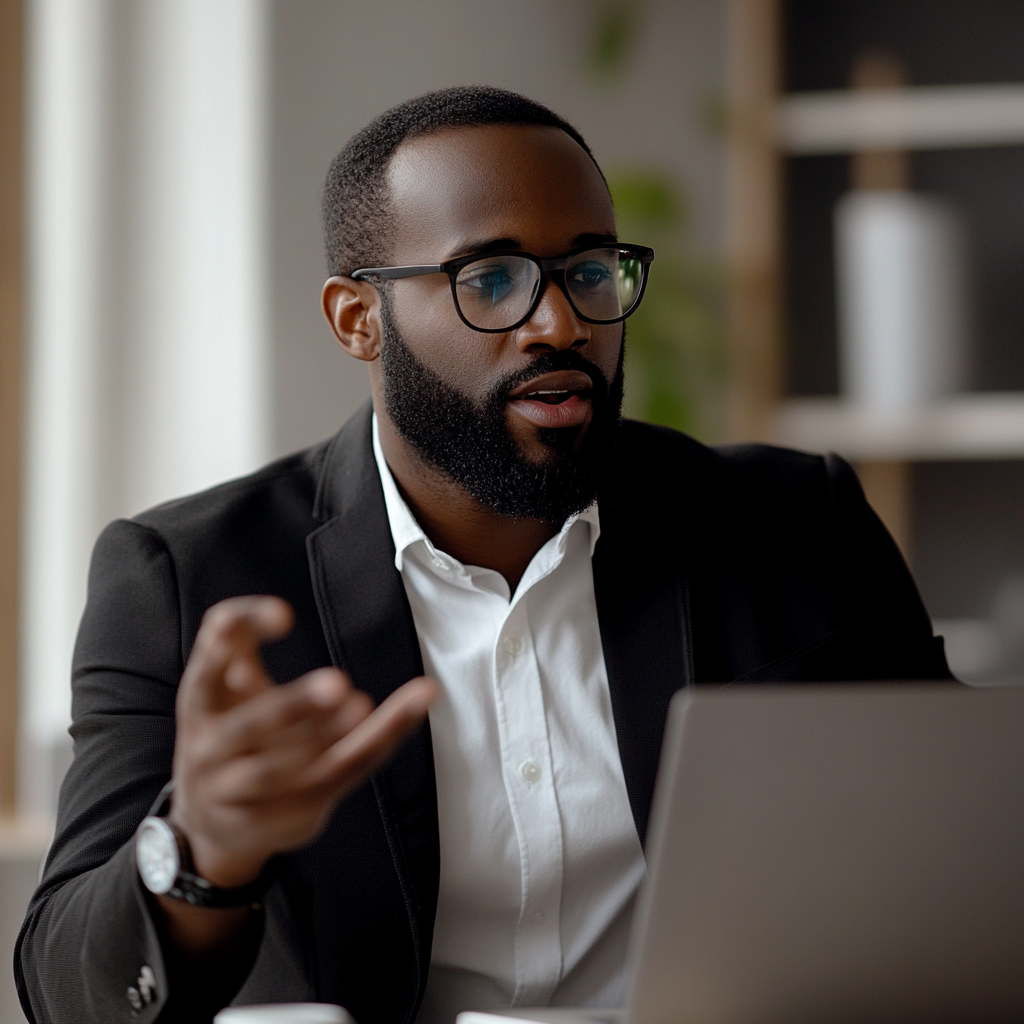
{"x":591,"y":274}
{"x":494,"y":283}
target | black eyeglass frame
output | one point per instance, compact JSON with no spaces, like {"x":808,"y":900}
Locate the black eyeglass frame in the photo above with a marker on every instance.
{"x":556,"y":265}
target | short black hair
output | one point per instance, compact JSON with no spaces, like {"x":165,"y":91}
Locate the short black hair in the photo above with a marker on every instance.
{"x":356,"y":216}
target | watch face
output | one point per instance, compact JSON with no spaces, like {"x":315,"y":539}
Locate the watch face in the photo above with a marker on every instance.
{"x":156,"y":853}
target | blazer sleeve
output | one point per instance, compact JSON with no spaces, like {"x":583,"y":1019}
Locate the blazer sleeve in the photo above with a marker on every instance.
{"x":887,"y":632}
{"x":90,"y":947}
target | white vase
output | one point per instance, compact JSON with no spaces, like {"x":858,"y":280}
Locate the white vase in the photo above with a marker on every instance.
{"x":902,"y":300}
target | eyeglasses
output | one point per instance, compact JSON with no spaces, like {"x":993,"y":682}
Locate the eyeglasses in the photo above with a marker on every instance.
{"x":501,"y":291}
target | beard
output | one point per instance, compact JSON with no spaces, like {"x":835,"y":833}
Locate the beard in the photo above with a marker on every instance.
{"x":473,"y":446}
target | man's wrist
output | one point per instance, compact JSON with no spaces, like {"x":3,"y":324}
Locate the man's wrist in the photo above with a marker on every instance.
{"x":175,"y":864}
{"x":225,"y":869}
{"x":166,"y":867}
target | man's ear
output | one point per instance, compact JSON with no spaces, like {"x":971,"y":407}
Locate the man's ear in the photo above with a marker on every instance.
{"x":352,"y":309}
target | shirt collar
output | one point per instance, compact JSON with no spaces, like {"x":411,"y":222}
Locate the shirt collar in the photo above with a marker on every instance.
{"x":406,"y":531}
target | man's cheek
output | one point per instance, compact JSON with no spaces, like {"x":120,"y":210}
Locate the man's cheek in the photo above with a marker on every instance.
{"x":459,"y":360}
{"x":469,"y":365}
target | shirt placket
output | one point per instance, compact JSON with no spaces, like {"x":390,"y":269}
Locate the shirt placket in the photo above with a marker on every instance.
{"x":529,"y":782}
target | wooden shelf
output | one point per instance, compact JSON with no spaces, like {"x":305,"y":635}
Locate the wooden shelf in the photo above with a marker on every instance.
{"x":921,"y":117}
{"x":981,"y":425}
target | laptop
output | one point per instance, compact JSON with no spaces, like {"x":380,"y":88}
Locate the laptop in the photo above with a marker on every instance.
{"x":830,"y":855}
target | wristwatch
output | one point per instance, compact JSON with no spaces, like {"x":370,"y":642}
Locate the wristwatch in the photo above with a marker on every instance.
{"x":164,"y":860}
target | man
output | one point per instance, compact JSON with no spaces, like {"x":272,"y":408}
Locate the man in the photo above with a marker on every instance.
{"x":558,"y":574}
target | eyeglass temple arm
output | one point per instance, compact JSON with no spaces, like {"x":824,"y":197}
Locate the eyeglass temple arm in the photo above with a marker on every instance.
{"x":394,"y":273}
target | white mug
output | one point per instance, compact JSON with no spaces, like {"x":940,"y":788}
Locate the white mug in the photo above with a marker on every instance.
{"x":285,"y":1013}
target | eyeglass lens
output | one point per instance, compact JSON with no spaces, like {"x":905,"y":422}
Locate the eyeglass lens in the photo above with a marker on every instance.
{"x":496,"y":292}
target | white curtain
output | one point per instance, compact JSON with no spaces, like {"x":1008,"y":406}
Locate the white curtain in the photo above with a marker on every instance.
{"x":148,"y":348}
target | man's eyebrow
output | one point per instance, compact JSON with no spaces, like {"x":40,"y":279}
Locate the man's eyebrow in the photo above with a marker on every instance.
{"x":486,"y":245}
{"x":595,"y":239}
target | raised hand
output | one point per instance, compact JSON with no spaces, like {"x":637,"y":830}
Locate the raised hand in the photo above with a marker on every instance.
{"x":259,"y":766}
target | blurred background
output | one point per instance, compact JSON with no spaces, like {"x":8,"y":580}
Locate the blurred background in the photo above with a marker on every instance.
{"x":835,"y":191}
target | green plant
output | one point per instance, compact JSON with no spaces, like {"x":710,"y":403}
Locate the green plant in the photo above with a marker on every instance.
{"x":615,"y":25}
{"x":675,"y":343}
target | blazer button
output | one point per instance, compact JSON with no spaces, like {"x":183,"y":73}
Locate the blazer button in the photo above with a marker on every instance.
{"x":147,"y":983}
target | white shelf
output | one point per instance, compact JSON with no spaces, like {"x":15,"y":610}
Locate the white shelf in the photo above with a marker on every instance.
{"x":982,"y":425}
{"x":922,"y":117}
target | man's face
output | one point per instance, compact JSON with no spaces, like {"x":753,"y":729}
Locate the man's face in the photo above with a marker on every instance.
{"x":467,"y":400}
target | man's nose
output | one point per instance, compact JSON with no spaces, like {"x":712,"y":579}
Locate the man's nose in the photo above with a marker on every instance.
{"x":554,"y":326}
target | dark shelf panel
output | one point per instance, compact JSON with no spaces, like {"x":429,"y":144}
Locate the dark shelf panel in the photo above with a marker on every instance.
{"x":942,"y":42}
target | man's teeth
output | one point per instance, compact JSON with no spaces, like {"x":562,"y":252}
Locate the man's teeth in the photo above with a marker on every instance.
{"x":550,"y":396}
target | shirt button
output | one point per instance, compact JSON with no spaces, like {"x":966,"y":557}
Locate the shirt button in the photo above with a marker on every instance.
{"x":440,"y":563}
{"x":538,"y":917}
{"x":513,"y":645}
{"x":531,"y":771}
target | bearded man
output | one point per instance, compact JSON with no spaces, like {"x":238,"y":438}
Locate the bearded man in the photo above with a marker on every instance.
{"x":517,"y":579}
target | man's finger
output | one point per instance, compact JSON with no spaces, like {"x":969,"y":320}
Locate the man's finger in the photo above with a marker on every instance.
{"x":317,"y":698}
{"x":324,"y":726}
{"x":354,"y":757}
{"x":274,"y":773}
{"x":224,"y":666}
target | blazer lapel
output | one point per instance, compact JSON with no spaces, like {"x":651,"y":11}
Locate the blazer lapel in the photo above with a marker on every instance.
{"x":643,"y":611}
{"x":371,"y":635}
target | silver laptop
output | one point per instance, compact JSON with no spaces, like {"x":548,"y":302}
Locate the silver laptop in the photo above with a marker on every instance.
{"x":831,"y":855}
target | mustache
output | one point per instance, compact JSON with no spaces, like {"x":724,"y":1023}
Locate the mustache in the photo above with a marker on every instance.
{"x":551,"y":362}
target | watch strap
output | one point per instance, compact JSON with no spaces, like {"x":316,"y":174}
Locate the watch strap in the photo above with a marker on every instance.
{"x":198,"y":892}
{"x":162,"y":803}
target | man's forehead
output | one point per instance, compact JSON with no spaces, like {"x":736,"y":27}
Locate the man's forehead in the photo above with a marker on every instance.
{"x":525,"y":182}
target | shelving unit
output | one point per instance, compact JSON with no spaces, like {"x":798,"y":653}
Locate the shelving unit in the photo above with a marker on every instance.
{"x":986,"y":425}
{"x":967,"y":426}
{"x":753,"y":228}
{"x":770,"y":126}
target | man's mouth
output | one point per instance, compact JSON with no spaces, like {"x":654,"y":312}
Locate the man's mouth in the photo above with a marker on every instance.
{"x":551,"y":397}
{"x":559,"y":399}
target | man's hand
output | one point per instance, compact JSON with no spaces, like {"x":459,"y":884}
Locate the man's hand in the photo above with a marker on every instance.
{"x":259,"y":767}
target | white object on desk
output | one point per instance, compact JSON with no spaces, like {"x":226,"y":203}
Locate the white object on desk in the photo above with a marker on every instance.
{"x":901,"y":299}
{"x":285,"y":1013}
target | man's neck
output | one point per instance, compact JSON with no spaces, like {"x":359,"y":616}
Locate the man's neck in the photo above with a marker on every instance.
{"x":456,"y":522}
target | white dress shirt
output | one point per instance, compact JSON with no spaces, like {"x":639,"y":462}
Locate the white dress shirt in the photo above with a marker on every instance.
{"x":540,"y":859}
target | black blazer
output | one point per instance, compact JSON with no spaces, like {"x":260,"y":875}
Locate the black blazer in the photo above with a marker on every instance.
{"x":741,"y":564}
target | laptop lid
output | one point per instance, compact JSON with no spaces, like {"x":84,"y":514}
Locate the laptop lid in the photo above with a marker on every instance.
{"x":835,"y":854}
